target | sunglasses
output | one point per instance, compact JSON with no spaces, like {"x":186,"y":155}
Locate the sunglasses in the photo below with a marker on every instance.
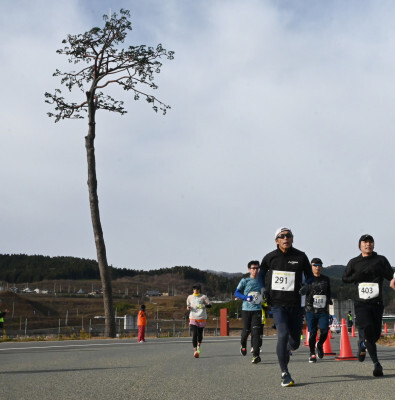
{"x":284,"y":235}
{"x":317,"y":265}
{"x":254,"y":268}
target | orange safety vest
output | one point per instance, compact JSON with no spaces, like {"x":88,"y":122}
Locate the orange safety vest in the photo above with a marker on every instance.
{"x":141,"y":319}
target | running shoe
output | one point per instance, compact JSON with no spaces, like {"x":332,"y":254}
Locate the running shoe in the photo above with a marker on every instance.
{"x":243,"y":351}
{"x":312,"y":358}
{"x":319,"y":350}
{"x":361,"y":351}
{"x":286,"y":380}
{"x":199,"y":350}
{"x":196,"y":354}
{"x":256,"y":360}
{"x":378,"y":369}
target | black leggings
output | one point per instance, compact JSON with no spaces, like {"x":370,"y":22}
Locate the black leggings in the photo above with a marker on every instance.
{"x":369,"y":318}
{"x":288,"y":322}
{"x":197,"y":335}
{"x":252,"y":323}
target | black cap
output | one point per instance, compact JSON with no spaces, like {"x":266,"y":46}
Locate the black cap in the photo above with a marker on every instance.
{"x":316,"y":261}
{"x":365,"y":238}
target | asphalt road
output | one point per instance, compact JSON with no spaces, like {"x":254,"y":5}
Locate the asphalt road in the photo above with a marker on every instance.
{"x":166,"y":369}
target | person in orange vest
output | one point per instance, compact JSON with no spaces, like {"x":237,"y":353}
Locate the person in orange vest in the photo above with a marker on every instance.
{"x":141,"y":323}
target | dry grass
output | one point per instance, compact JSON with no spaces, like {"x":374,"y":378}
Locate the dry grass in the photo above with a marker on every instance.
{"x":46,"y":310}
{"x":387,"y":340}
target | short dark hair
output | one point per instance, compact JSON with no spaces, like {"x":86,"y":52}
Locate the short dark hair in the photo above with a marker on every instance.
{"x":197,"y":286}
{"x":365,"y":238}
{"x":142,"y":307}
{"x":253,"y":262}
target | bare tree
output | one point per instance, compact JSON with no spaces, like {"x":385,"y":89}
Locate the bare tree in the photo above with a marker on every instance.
{"x":106,"y":64}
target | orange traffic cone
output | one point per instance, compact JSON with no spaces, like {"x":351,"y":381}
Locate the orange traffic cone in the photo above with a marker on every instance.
{"x":345,"y":347}
{"x":307,"y":333}
{"x":328,"y":347}
{"x":352,"y":331}
{"x":385,"y":328}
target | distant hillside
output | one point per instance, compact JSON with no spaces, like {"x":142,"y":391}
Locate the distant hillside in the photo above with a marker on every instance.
{"x":22,"y":268}
{"x":229,"y":275}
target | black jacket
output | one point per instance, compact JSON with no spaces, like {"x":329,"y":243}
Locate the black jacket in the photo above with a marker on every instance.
{"x":320,"y":286}
{"x":370,"y":269}
{"x":293,"y":261}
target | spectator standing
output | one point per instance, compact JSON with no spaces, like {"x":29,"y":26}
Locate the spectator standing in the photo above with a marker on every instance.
{"x":141,"y":323}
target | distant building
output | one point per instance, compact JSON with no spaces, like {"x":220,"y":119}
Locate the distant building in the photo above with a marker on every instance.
{"x":153,"y":293}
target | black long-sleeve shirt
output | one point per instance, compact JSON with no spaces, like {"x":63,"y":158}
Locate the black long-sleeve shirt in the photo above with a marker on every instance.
{"x":315,"y":303}
{"x":368,"y":273}
{"x":284,"y":276}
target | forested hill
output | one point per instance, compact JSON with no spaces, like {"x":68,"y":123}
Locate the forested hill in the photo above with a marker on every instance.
{"x":21,"y":268}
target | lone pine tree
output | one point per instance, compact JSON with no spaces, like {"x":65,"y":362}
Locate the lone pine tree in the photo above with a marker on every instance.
{"x":105,"y":63}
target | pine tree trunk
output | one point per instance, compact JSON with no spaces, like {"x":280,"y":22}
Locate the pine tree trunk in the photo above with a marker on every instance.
{"x":105,"y":273}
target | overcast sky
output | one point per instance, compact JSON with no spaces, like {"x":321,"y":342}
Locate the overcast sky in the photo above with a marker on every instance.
{"x":282,"y":115}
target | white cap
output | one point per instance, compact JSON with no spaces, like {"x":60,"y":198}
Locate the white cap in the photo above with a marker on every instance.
{"x":282,"y":229}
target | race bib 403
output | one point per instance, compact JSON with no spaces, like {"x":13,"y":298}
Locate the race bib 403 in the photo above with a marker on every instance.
{"x":283,"y":280}
{"x":368,"y":290}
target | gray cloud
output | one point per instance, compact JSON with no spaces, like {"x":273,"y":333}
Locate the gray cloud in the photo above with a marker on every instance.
{"x":279,"y":117}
